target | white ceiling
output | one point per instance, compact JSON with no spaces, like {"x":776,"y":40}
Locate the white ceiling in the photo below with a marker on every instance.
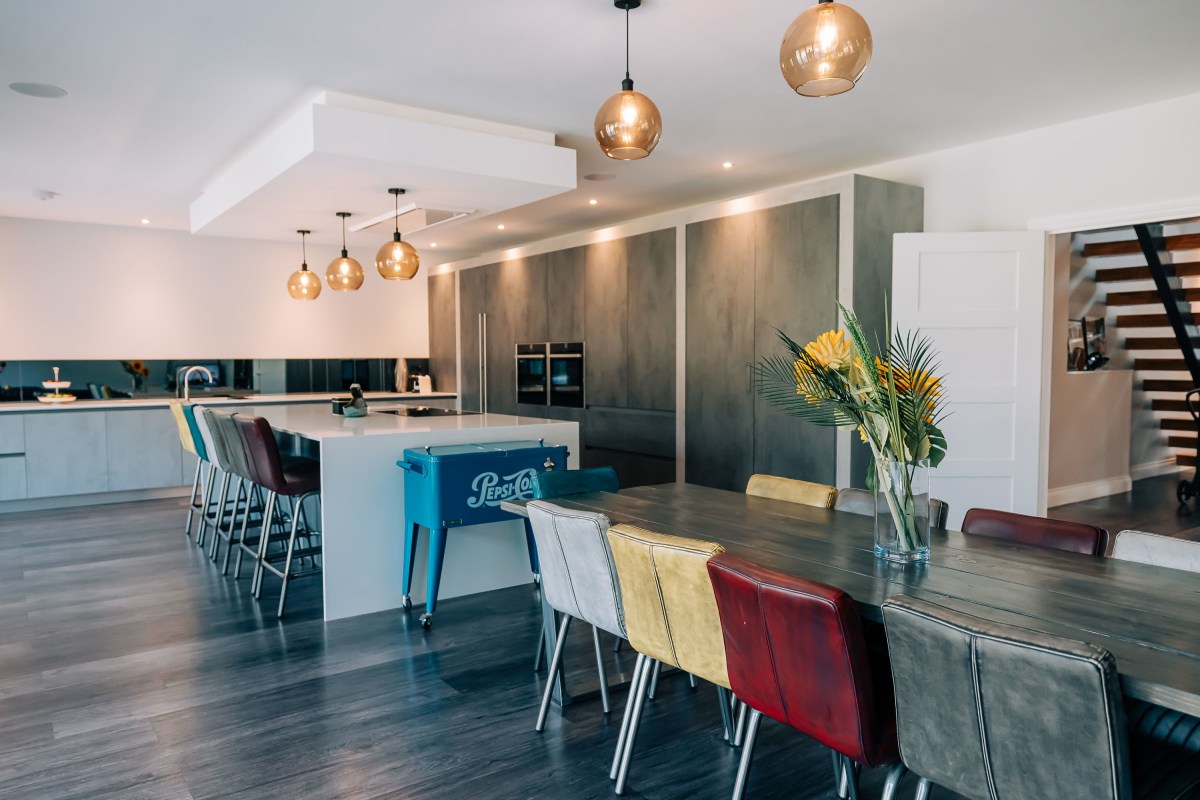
{"x":163,"y":95}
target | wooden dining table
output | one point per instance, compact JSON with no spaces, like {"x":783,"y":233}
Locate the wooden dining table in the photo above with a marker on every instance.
{"x":1148,"y":617}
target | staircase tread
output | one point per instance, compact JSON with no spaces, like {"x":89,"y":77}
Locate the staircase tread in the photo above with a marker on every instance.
{"x":1184,"y":241}
{"x":1184,"y":269}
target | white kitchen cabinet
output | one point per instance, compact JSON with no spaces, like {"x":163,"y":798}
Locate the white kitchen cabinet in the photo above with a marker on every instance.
{"x":143,"y":449}
{"x":12,"y":434}
{"x":66,"y":452}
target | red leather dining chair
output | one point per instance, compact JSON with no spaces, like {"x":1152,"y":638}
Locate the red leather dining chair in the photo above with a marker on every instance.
{"x":296,"y":479}
{"x":1073,"y":537}
{"x":796,"y":652}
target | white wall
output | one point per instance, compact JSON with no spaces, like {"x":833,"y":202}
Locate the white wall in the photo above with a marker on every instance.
{"x":76,"y":291}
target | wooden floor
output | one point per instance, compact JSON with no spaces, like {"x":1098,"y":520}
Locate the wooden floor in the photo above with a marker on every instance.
{"x":130,"y":668}
{"x":1150,"y":506}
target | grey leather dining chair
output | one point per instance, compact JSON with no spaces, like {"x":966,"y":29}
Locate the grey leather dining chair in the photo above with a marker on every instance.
{"x":860,"y":501}
{"x":579,"y":581}
{"x":1010,"y":712}
{"x":1147,"y":719}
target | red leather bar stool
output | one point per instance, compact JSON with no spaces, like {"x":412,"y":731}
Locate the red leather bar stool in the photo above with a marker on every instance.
{"x":796,"y":652}
{"x":1073,"y":537}
{"x":297,"y":480}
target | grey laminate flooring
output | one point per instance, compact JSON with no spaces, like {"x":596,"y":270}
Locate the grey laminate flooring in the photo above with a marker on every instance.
{"x":130,"y":668}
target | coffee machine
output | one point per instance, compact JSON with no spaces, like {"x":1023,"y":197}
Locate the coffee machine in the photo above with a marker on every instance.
{"x":414,"y":370}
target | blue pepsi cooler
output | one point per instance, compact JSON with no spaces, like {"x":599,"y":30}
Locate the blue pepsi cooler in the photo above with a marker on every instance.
{"x":455,"y":485}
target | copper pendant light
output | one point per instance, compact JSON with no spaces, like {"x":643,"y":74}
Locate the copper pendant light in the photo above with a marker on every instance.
{"x":628,"y":125}
{"x":304,"y":285}
{"x":825,"y":50}
{"x":397,"y":260}
{"x":344,"y":274}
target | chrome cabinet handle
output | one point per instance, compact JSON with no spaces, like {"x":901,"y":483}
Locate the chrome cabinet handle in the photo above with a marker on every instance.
{"x":750,"y":378}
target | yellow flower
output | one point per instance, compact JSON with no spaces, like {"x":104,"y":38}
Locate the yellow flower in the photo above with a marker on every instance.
{"x":831,"y":350}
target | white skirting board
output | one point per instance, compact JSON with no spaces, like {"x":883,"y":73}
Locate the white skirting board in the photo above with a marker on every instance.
{"x":1088,"y":491}
{"x":1165,"y":467}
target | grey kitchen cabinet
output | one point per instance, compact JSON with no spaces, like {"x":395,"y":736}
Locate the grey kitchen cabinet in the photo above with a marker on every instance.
{"x":66,"y":452}
{"x":795,"y":291}
{"x":565,"y":295}
{"x":12,"y":477}
{"x":143,"y":449}
{"x":606,"y":375}
{"x":516,"y":313}
{"x":12,"y":434}
{"x":443,"y":363}
{"x":651,"y":320}
{"x":473,"y":304}
{"x":719,"y":409}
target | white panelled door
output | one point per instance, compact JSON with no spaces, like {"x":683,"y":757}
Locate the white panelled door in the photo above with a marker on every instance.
{"x":984,"y":300}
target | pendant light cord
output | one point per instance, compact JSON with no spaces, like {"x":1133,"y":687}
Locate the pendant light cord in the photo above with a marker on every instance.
{"x":396,"y":216}
{"x":303,"y":251}
{"x":626,"y":41}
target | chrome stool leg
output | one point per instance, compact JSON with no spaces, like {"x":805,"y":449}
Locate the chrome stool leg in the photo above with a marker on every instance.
{"x":638,"y":668}
{"x":739,"y":786}
{"x":555,"y":666}
{"x":263,"y":540}
{"x":600,"y":669}
{"x":187,"y":528}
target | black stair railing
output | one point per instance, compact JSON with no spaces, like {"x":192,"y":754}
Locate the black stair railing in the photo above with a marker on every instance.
{"x":1179,"y":315}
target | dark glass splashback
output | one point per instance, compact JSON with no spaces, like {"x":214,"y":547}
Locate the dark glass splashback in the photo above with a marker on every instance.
{"x":21,"y":381}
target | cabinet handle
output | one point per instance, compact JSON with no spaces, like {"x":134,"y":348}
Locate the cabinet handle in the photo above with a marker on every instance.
{"x":483,"y":392}
{"x":482,"y":356}
{"x":749,"y":378}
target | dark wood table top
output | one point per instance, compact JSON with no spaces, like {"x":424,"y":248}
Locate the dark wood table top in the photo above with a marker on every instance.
{"x":1148,"y":617}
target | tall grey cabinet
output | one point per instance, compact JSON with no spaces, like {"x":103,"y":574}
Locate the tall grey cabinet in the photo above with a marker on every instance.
{"x":781,"y":268}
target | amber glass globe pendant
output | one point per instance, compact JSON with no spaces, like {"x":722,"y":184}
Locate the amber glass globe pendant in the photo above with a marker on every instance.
{"x":628,"y":125}
{"x":344,"y":274}
{"x":826,"y":50}
{"x":304,"y":285}
{"x":397,"y":260}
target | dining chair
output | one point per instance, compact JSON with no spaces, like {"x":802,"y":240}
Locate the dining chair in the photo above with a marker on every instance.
{"x":860,"y":501}
{"x":671,"y":618}
{"x":297,"y":479}
{"x":189,"y":437}
{"x":792,"y":490}
{"x":1073,"y":537}
{"x":1148,"y":719}
{"x":796,"y":652}
{"x":579,"y":581}
{"x":1010,"y":712}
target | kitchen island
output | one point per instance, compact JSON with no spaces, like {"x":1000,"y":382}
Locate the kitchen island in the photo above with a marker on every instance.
{"x":362,"y":502}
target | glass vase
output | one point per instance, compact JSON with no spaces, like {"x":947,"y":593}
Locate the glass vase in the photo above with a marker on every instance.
{"x":902,"y":510}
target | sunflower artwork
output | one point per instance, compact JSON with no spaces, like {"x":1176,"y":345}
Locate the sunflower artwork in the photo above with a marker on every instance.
{"x":137,"y":370}
{"x":893,"y":399}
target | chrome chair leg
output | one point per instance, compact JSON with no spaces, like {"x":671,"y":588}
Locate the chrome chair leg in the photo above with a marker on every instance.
{"x":291,"y":547}
{"x":922,"y":789}
{"x":892,"y":784}
{"x":639,"y":702}
{"x":839,"y":775}
{"x":222,"y":500}
{"x":539,"y":656}
{"x":852,"y":773}
{"x":654,"y":679}
{"x":555,"y":666}
{"x":600,"y":669}
{"x":739,"y":786}
{"x":187,"y":528}
{"x":740,"y":728}
{"x":638,"y":668}
{"x":207,"y":502}
{"x":263,"y":540}
{"x":691,"y":681}
{"x":725,"y":697}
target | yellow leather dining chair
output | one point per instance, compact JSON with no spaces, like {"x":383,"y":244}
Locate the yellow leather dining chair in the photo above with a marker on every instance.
{"x":792,"y":490}
{"x":670,"y":617}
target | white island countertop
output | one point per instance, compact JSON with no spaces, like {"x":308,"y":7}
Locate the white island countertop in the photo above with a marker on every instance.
{"x":319,"y":423}
{"x":242,"y":400}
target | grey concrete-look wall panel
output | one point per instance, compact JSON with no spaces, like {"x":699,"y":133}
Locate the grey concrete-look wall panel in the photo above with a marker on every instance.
{"x":442,"y":326}
{"x":639,"y":431}
{"x":651,"y":276}
{"x":606,"y":365}
{"x":66,"y":453}
{"x":565,"y":298}
{"x":719,"y":349}
{"x":143,"y":449}
{"x":795,"y":291}
{"x":881,"y":209}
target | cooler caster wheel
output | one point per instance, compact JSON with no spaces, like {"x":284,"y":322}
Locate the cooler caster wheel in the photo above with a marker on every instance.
{"x":1185,"y":491}
{"x":406,"y":603}
{"x":426,"y":620}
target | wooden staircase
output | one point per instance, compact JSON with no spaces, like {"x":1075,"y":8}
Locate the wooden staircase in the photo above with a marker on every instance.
{"x":1165,"y":371}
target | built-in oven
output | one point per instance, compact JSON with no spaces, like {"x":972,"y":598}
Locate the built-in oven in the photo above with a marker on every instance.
{"x":531,"y":374}
{"x":566,"y":374}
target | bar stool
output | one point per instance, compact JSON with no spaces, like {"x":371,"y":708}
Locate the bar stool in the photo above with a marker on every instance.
{"x":189,"y":437}
{"x":1073,"y":537}
{"x":229,"y":439}
{"x":213,"y":508}
{"x":860,"y":501}
{"x":671,"y":618}
{"x":579,"y":581}
{"x":1010,"y":712}
{"x":792,"y":490}
{"x":298,"y":480}
{"x":796,"y":652}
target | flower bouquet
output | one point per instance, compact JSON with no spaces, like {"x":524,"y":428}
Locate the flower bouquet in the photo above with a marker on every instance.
{"x":893,"y":399}
{"x":137,"y":370}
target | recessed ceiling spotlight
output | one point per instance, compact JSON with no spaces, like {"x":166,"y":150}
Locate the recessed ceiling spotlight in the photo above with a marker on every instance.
{"x":600,"y":176}
{"x":728,"y":165}
{"x":44,"y":90}
{"x":145,"y":221}
{"x":593,"y":202}
{"x":433,"y":244}
{"x":499,"y":227}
